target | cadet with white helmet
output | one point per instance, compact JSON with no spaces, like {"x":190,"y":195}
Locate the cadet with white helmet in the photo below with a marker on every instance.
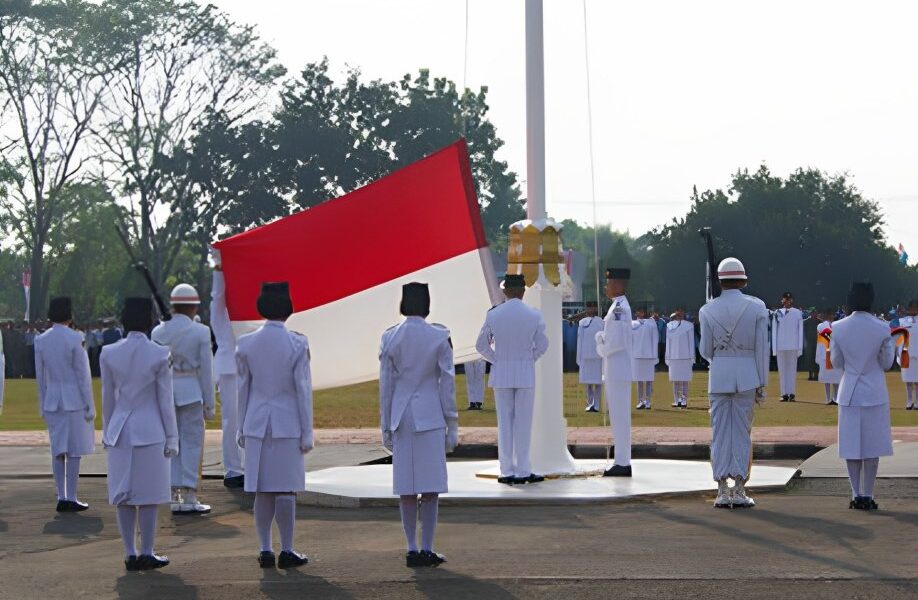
{"x":193,"y":389}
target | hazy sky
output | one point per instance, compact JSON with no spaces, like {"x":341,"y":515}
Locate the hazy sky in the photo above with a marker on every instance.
{"x":683,"y":93}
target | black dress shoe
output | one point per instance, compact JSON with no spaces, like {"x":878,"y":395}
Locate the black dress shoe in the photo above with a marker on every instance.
{"x":533,"y":478}
{"x":433,"y":559}
{"x":909,"y":407}
{"x":266,"y":559}
{"x":235,"y":482}
{"x":291,"y":558}
{"x":146,"y":562}
{"x":792,"y":398}
{"x":785,"y":398}
{"x":77,"y":506}
{"x":870,"y":504}
{"x":131,"y":563}
{"x":480,"y":406}
{"x":63,"y":506}
{"x":416,"y":559}
{"x":508,"y":480}
{"x":617,"y":471}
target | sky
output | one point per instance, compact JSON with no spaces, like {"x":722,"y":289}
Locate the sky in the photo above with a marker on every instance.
{"x":682,"y":93}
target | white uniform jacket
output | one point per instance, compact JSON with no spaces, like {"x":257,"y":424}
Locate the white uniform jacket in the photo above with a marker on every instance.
{"x":734,"y":339}
{"x":614,"y":342}
{"x":512,"y":339}
{"x":192,"y":361}
{"x":62,"y":371}
{"x":787,"y":330}
{"x":862,"y":347}
{"x":586,"y":339}
{"x":137,"y":393}
{"x":680,"y":340}
{"x":275,"y":384}
{"x":416,"y":369}
{"x":225,"y":357}
{"x":645,"y":338}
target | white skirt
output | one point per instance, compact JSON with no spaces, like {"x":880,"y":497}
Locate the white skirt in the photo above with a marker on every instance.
{"x":910,"y":375}
{"x":70,"y":433}
{"x":591,"y":372}
{"x":274,"y":464}
{"x":138,"y":475}
{"x":830,"y":375}
{"x":643,"y":369}
{"x":418,"y":459}
{"x":680,"y":369}
{"x":864,"y":432}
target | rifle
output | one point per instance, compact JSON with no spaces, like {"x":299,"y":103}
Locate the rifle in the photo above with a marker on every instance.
{"x":712,"y":287}
{"x":164,"y":313}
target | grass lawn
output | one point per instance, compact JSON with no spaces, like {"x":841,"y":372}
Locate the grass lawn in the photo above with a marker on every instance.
{"x":357,"y":406}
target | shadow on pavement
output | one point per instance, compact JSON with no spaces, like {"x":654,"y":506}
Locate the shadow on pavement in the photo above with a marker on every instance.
{"x":73,"y":525}
{"x":154,"y":584}
{"x":442,"y":583}
{"x":292,"y":583}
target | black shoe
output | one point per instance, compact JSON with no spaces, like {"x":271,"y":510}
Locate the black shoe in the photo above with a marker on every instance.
{"x":833,"y":403}
{"x":63,"y":506}
{"x":266,"y":559}
{"x":291,"y":558}
{"x":792,"y":398}
{"x":617,"y":471}
{"x":480,"y":406}
{"x":146,"y":562}
{"x":909,"y":407}
{"x":234,"y":483}
{"x":520,"y":480}
{"x":77,"y":506}
{"x":785,"y":398}
{"x":508,"y":480}
{"x":131,"y":563}
{"x":433,"y":559}
{"x":533,"y":478}
{"x":869,"y":504}
{"x":416,"y":559}
{"x":592,"y":409}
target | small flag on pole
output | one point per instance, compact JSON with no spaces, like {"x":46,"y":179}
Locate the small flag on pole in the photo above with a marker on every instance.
{"x":903,"y":255}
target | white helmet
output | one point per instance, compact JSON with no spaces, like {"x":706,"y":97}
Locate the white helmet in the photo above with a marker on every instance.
{"x":731,"y":268}
{"x":184,"y":294}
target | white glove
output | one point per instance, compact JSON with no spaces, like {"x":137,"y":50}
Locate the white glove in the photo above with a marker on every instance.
{"x":172,"y":448}
{"x":387,"y":440}
{"x":240,"y":439}
{"x":215,"y":259}
{"x":90,"y":414}
{"x":600,"y":337}
{"x":209,"y":413}
{"x":452,"y":435}
{"x":306,"y":444}
{"x":760,"y":395}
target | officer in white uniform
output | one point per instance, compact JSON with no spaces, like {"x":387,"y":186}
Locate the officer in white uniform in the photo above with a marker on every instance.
{"x":65,"y":400}
{"x":734,"y":340}
{"x":680,"y":354}
{"x":225,"y":374}
{"x":2,"y":373}
{"x":418,"y":418}
{"x":830,"y":377}
{"x":193,"y":387}
{"x":475,"y":382}
{"x":645,"y":354}
{"x":512,"y":339}
{"x":787,"y":344}
{"x":863,"y":349}
{"x":910,"y":373}
{"x":613,"y":344}
{"x":138,"y":432}
{"x":275,"y":421}
{"x":588,"y":361}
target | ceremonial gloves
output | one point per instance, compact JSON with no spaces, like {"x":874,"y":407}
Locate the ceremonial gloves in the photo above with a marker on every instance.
{"x":240,"y":439}
{"x":209,"y":412}
{"x":760,"y":395}
{"x":387,"y":439}
{"x":90,"y":414}
{"x":452,"y":434}
{"x":172,"y":448}
{"x":306,"y":443}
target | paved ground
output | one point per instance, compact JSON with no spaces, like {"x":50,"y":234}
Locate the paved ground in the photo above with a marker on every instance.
{"x":802,"y":543}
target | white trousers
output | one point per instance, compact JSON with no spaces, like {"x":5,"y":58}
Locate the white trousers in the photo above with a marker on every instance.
{"x":514,"y":430}
{"x":787,"y":370}
{"x":731,"y":440}
{"x":187,"y":465}
{"x":474,"y":380}
{"x":618,"y":400}
{"x":229,"y":415}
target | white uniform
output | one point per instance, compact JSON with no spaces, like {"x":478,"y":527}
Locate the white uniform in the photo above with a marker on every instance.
{"x":645,"y":352}
{"x":787,"y":346}
{"x":680,"y":350}
{"x":65,"y":390}
{"x":589,"y":361}
{"x":734,"y":339}
{"x":863,"y":349}
{"x":417,"y":399}
{"x":475,"y":380}
{"x":225,"y":374}
{"x":909,"y":375}
{"x":193,"y":390}
{"x":512,"y":339}
{"x":138,"y":420}
{"x":614,"y":344}
{"x":831,"y":376}
{"x":275,"y":407}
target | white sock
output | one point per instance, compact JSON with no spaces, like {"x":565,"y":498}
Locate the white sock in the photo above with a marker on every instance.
{"x":59,"y":469}
{"x":648,"y":391}
{"x":73,"y":477}
{"x":127,"y":524}
{"x":854,"y":475}
{"x":146,"y":519}
{"x":640,"y":393}
{"x":285,"y":515}
{"x":409,"y":509}
{"x":834,"y":392}
{"x":430,"y":508}
{"x":828,"y":387}
{"x":677,"y":391}
{"x":685,"y":392}
{"x":264,"y":516}
{"x":871,"y":466}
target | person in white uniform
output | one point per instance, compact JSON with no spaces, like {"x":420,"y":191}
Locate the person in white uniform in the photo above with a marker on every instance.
{"x":475,"y":382}
{"x":138,"y":431}
{"x":65,"y":401}
{"x":2,"y":373}
{"x":193,"y":390}
{"x":787,"y":344}
{"x":614,"y":345}
{"x":829,"y":376}
{"x":512,"y":339}
{"x":225,"y":374}
{"x":589,"y":362}
{"x":910,"y":373}
{"x":863,"y":349}
{"x":275,"y":421}
{"x":680,"y":354}
{"x":418,"y":418}
{"x":734,"y":340}
{"x":645,"y":354}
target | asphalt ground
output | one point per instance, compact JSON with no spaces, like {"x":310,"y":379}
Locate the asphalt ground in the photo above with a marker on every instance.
{"x":800,"y":543}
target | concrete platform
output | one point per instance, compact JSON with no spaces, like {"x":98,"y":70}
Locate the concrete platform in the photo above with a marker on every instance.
{"x":371,"y":485}
{"x":826,"y":463}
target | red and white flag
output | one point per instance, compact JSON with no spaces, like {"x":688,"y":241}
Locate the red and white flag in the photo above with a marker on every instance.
{"x":347,"y":259}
